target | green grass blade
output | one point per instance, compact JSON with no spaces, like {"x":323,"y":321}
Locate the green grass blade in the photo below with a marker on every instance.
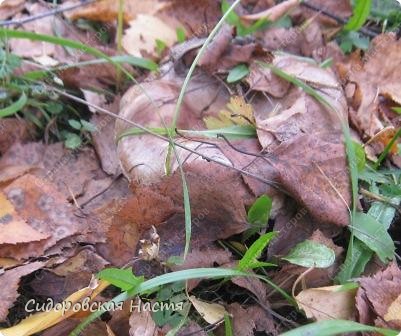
{"x":360,"y":15}
{"x":387,"y":150}
{"x":154,"y":283}
{"x":14,"y":107}
{"x":127,"y":59}
{"x":196,"y":61}
{"x":336,"y":327}
{"x":228,"y":328}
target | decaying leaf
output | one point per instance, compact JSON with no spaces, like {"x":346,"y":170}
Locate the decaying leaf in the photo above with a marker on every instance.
{"x":141,"y":323}
{"x":377,"y":298}
{"x":9,"y":8}
{"x":247,"y":320}
{"x":327,"y":303}
{"x":140,"y":39}
{"x":9,"y":282}
{"x":212,"y":313}
{"x":376,"y":78}
{"x":14,"y":229}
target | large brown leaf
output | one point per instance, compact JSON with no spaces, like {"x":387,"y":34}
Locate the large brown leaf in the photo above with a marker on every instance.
{"x":375,"y":296}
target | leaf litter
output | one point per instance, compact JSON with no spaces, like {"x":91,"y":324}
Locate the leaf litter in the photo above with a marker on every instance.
{"x":246,"y":129}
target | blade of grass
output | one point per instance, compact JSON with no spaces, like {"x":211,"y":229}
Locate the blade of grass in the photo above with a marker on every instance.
{"x":336,"y":327}
{"x":387,"y":149}
{"x":180,"y":100}
{"x":128,"y":59}
{"x":14,"y":107}
{"x":360,"y":15}
{"x":120,"y":27}
{"x":154,"y":283}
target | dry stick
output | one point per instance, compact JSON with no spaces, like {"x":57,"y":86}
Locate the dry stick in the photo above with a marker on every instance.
{"x":207,"y":158}
{"x":45,"y":14}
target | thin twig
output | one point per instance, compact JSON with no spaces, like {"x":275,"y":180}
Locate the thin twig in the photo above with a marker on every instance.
{"x":45,"y":14}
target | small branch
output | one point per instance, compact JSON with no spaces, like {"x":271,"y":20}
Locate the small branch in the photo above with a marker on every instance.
{"x":45,"y":14}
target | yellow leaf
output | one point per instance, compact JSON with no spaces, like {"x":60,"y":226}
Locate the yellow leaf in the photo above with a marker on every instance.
{"x":238,"y":113}
{"x":394,"y":311}
{"x":41,"y":321}
{"x":326,"y":303}
{"x":211,"y":312}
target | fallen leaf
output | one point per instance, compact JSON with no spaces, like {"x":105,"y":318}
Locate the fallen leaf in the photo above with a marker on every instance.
{"x":8,"y":8}
{"x":9,"y":282}
{"x":212,"y":313}
{"x":247,"y":320}
{"x":376,"y":295}
{"x":394,"y":311}
{"x":375,"y":77}
{"x":141,"y":323}
{"x":327,"y":303}
{"x":107,"y":10}
{"x":140,"y":38}
{"x":274,"y":13}
{"x":314,"y":172}
{"x":45,"y":210}
{"x":14,"y":130}
{"x":14,"y":229}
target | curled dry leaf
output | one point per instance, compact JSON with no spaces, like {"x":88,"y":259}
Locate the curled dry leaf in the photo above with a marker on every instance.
{"x":141,"y":323}
{"x":376,"y":77}
{"x":212,"y":313}
{"x":327,"y":303}
{"x":274,"y":13}
{"x":377,"y":297}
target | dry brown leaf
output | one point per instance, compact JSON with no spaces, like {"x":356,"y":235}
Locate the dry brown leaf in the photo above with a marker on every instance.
{"x":13,"y":130}
{"x":8,"y":8}
{"x":205,"y":256}
{"x":141,"y":323}
{"x":140,"y":38}
{"x":212,"y":313}
{"x":245,"y":321}
{"x":376,"y":295}
{"x":375,"y":76}
{"x":14,"y":229}
{"x":107,"y":10}
{"x":327,"y":303}
{"x":9,"y":282}
{"x":274,"y":13}
{"x":314,"y":172}
{"x":394,"y":311}
{"x":45,"y":210}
